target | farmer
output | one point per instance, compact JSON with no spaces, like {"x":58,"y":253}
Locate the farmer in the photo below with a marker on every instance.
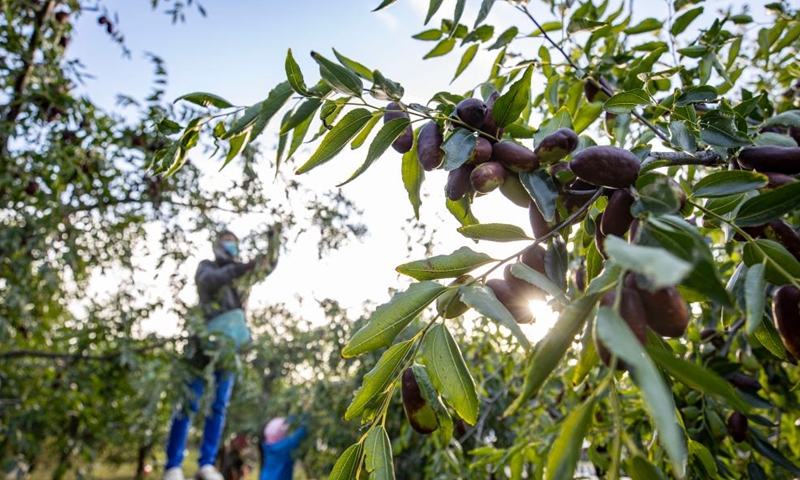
{"x":222,"y":305}
{"x":277,"y":449}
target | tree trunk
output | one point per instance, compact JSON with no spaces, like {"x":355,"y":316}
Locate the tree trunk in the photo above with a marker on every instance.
{"x":141,"y":460}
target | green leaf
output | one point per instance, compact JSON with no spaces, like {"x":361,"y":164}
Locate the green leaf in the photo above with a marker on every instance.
{"x":337,"y":138}
{"x":718,"y":128}
{"x":781,"y":267}
{"x":237,"y":144}
{"x":722,"y":184}
{"x":299,"y":135}
{"x":342,"y":79}
{"x":466,"y":59}
{"x":704,"y":456}
{"x":262,"y":111}
{"x":346,"y":467}
{"x":615,"y":334}
{"x":646,"y":25}
{"x":694,"y":51}
{"x":766,"y":449}
{"x":459,"y":10}
{"x":542,"y":189}
{"x":586,"y":115}
{"x":382,"y":141}
{"x":656,"y":195}
{"x":431,"y":397}
{"x":458,"y":147}
{"x":524,"y":272}
{"x":551,"y":349}
{"x":697,"y":377}
{"x":461,"y":211}
{"x":701,"y":94}
{"x":661,"y":268}
{"x":768,"y":336}
{"x":567,"y":447}
{"x":358,"y":68}
{"x":386,"y":89}
{"x":791,"y":35}
{"x":449,"y":374}
{"x":504,"y":38}
{"x":789,"y":118}
{"x":494,"y":232}
{"x":205,"y":100}
{"x":639,"y":468}
{"x":303,"y":112}
{"x":378,"y":380}
{"x":484,"y":301}
{"x":774,"y":139}
{"x":295,"y":75}
{"x":625,"y":102}
{"x":754,"y":296}
{"x":413,"y":175}
{"x":384,"y":4}
{"x":510,"y":105}
{"x":378,"y":453}
{"x":769,"y":205}
{"x":577,"y":24}
{"x":430,"y":35}
{"x":433,"y":7}
{"x":460,"y":262}
{"x":391,"y":318}
{"x":362,"y":136}
{"x":685,"y":20}
{"x":561,"y":119}
{"x":483,"y":33}
{"x":442,"y":48}
{"x":486,"y":7}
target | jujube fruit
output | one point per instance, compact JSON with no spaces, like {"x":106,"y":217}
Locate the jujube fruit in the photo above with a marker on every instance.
{"x":617,"y":217}
{"x":606,"y":166}
{"x":533,"y":257}
{"x":556,"y":146}
{"x":489,"y":126}
{"x":599,"y":237}
{"x":771,"y":159}
{"x":737,"y":426}
{"x":420,"y":415}
{"x":744,"y":382}
{"x":524,"y":289}
{"x":594,"y":89}
{"x":482,"y":151}
{"x":458,"y":183}
{"x":514,"y":156}
{"x":429,"y":143}
{"x":632,"y":312}
{"x":514,"y":303}
{"x":539,"y":225}
{"x":488,"y":176}
{"x":472,"y":111}
{"x":667,"y":312}
{"x":405,"y":141}
{"x":513,"y":190}
{"x":786,"y":308}
{"x":776,"y":180}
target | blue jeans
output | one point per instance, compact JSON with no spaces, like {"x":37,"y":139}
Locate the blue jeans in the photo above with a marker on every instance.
{"x":212,"y":432}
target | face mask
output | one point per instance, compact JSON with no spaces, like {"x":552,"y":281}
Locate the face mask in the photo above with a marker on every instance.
{"x":232,"y":248}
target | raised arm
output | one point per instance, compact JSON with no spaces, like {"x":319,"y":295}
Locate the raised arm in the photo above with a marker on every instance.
{"x":211,"y":277}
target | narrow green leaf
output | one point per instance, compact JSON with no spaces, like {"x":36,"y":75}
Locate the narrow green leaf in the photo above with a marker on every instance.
{"x":781,"y":267}
{"x":789,"y":118}
{"x":697,"y":377}
{"x":700,"y":94}
{"x":413,"y":175}
{"x":358,"y":68}
{"x":615,"y":334}
{"x":295,"y":75}
{"x":685,"y":20}
{"x":774,"y":139}
{"x":460,"y":262}
{"x":282,"y":141}
{"x":362,"y":136}
{"x":378,"y":453}
{"x":205,"y":100}
{"x":430,"y":35}
{"x":383,"y":140}
{"x":384,"y":4}
{"x":346,"y":467}
{"x":458,"y":148}
{"x":765,"y":448}
{"x":754,"y":297}
{"x":718,"y":128}
{"x":433,"y":7}
{"x":466,"y":59}
{"x":342,"y":79}
{"x":586,"y":115}
{"x":385,"y":89}
{"x":646,"y":25}
{"x":625,"y":102}
{"x":768,"y":336}
{"x":769,"y":205}
{"x":639,"y":468}
{"x":661,"y":268}
{"x":540,"y":186}
{"x":566,"y":449}
{"x":431,"y":397}
{"x":494,"y":232}
{"x":510,"y":105}
{"x":299,"y":135}
{"x":459,"y":10}
{"x":442,"y":48}
{"x":378,"y":380}
{"x":791,"y":35}
{"x":449,"y":374}
{"x":484,"y":301}
{"x":722,"y":184}
{"x":337,"y":138}
{"x":262,"y":111}
{"x":461,"y":211}
{"x":551,"y":349}
{"x":561,"y":119}
{"x":577,"y":24}
{"x":391,"y":318}
{"x":524,"y":272}
{"x":486,"y":7}
{"x":237,"y":144}
{"x":306,"y":110}
{"x":704,"y":456}
{"x":504,"y":38}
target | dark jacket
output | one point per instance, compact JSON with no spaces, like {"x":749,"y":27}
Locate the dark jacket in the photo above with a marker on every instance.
{"x":215,"y":288}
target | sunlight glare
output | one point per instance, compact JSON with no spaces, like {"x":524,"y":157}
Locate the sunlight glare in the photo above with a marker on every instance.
{"x":543,"y":320}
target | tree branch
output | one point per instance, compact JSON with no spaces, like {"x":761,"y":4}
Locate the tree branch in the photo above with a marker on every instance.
{"x":21,"y":81}
{"x":11,"y":354}
{"x":582,"y":73}
{"x":707,"y":158}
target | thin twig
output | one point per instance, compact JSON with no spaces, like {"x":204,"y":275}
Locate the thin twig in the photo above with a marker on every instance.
{"x":707,"y":158}
{"x":582,"y":73}
{"x":731,"y":335}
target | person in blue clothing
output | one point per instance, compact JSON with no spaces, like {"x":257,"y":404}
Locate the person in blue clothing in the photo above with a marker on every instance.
{"x":277,"y":449}
{"x":222,"y":302}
